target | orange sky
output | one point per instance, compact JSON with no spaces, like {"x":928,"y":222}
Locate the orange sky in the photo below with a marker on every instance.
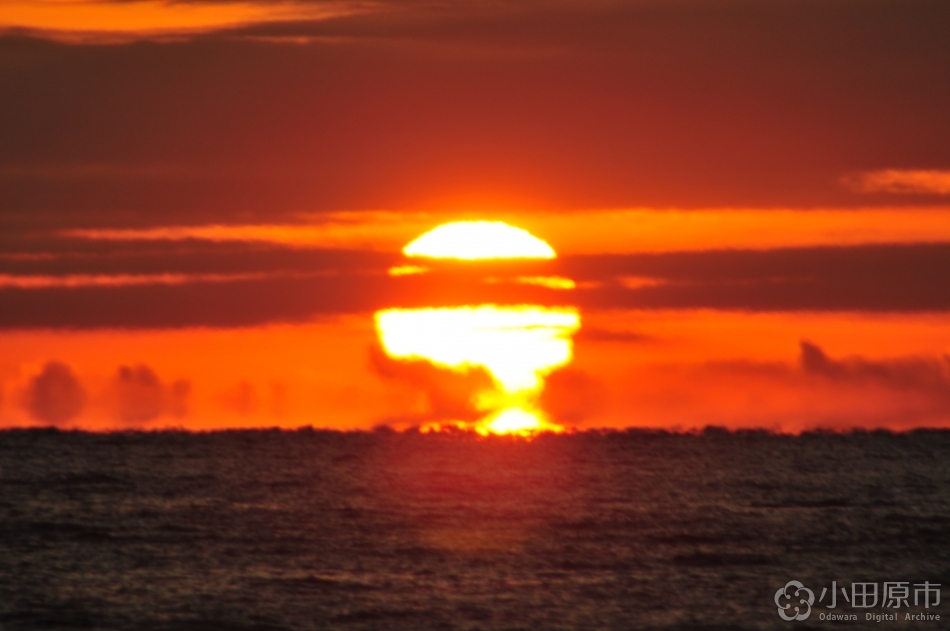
{"x":885,"y":364}
{"x":203,"y":202}
{"x":649,"y":368}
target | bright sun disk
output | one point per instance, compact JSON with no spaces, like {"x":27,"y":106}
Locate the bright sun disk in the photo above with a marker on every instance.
{"x":513,"y":421}
{"x":518,"y":345}
{"x":475,"y":240}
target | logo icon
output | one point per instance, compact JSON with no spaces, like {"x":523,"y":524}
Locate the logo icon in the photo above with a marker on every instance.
{"x":801,"y":598}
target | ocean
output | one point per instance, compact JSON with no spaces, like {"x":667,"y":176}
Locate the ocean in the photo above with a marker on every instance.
{"x":285,"y":530}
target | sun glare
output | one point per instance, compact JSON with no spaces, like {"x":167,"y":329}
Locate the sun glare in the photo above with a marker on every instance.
{"x":516,"y":345}
{"x":475,"y":240}
{"x":407,"y":270}
{"x":514,"y":421}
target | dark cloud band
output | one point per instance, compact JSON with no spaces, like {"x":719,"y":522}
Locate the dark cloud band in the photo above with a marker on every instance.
{"x":699,"y":103}
{"x":318,"y":283}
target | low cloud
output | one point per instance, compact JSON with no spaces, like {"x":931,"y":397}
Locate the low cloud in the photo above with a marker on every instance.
{"x":55,"y":395}
{"x":922,"y":181}
{"x":596,"y":334}
{"x":137,"y":395}
{"x":925,"y":375}
{"x":451,"y":395}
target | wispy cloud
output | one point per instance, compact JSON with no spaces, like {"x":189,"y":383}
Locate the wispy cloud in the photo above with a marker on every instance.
{"x":383,"y":231}
{"x":927,"y":181}
{"x":119,"y":280}
{"x":583,"y":232}
{"x":111,"y":20}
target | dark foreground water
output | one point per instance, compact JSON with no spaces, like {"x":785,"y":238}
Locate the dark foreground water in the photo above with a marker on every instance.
{"x":318,"y":530}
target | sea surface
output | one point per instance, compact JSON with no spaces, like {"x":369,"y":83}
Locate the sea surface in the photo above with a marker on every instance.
{"x":278,"y":530}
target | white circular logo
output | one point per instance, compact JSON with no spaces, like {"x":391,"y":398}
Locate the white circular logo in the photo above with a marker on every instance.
{"x":801,"y":598}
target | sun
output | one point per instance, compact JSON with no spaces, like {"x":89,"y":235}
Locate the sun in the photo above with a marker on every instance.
{"x":476,"y":240}
{"x":517,"y":345}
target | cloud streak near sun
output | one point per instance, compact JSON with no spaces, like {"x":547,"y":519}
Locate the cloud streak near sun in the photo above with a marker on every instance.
{"x":104,"y":19}
{"x":613,"y":231}
{"x":920,"y":181}
{"x":119,"y":280}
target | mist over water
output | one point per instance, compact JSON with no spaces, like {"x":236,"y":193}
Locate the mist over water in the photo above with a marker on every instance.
{"x":322,"y":530}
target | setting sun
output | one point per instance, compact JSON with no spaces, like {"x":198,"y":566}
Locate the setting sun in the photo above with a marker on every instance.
{"x":516,"y":345}
{"x":516,"y":420}
{"x":474,"y":240}
{"x":443,"y":315}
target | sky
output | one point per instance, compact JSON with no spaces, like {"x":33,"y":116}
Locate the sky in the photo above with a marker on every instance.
{"x":201,"y":204}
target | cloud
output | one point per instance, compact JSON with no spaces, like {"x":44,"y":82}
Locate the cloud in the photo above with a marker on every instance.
{"x":670,"y":104}
{"x":930,"y":376}
{"x":55,"y":395}
{"x":32,"y":255}
{"x":117,"y":280}
{"x":867,"y":278}
{"x":326,"y":231}
{"x":113,"y":21}
{"x":596,"y":334}
{"x":615,"y":231}
{"x":817,"y":391}
{"x":237,"y":303}
{"x":451,"y":395}
{"x":924,"y":181}
{"x":137,"y":395}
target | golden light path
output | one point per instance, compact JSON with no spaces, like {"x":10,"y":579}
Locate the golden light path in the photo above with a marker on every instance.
{"x":516,"y":345}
